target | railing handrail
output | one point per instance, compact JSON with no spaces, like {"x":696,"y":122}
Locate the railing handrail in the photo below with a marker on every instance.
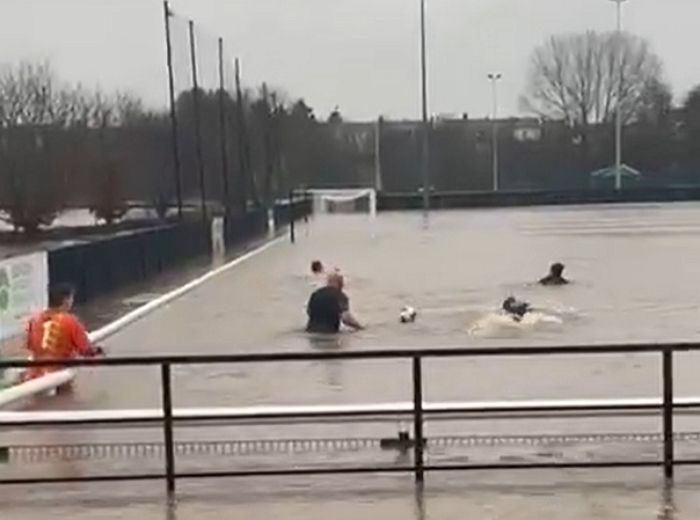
{"x":377,"y":354}
{"x":316,"y":413}
{"x":416,"y":357}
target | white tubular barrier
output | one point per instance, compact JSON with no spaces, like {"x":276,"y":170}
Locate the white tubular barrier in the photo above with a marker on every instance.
{"x":148,"y":308}
{"x":56,"y":379}
{"x":377,"y":412}
{"x":35,"y":386}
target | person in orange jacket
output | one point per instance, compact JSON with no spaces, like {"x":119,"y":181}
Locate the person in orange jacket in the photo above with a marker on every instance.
{"x":56,"y":333}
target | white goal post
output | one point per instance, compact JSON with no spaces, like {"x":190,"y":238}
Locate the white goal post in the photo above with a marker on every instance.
{"x":343,"y":200}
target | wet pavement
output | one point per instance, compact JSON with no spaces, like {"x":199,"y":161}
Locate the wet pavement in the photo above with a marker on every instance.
{"x":570,"y":495}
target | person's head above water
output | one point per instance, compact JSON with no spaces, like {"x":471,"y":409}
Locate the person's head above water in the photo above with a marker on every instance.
{"x":555,"y":276}
{"x":516,"y":307}
{"x":316,"y":267}
{"x":61,"y":297}
{"x":556,"y":269}
{"x":335,"y":279}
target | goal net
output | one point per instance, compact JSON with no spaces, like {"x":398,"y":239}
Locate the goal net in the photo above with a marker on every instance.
{"x":346,"y":200}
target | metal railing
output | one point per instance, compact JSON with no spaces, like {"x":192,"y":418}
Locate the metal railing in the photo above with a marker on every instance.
{"x":418,"y":409}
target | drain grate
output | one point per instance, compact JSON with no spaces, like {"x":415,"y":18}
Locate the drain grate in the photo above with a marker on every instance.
{"x":40,"y":453}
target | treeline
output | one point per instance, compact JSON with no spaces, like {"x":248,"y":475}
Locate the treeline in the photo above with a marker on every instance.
{"x":64,"y":146}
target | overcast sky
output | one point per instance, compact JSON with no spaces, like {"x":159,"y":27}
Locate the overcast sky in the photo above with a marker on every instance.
{"x":358,"y":54}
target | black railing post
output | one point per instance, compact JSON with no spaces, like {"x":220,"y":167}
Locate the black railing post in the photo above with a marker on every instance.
{"x":166,"y":389}
{"x":292,"y":217}
{"x":667,"y":368}
{"x":418,"y":418}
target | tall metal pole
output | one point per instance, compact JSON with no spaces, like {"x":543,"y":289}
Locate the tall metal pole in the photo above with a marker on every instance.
{"x":618,"y":109}
{"x":494,"y":130}
{"x":249,"y":192}
{"x":278,"y":163}
{"x":222,"y":133}
{"x":378,"y":184}
{"x":197,"y":126}
{"x":268,"y":164}
{"x":425,"y":152}
{"x":173,"y":111}
{"x":267,"y":150}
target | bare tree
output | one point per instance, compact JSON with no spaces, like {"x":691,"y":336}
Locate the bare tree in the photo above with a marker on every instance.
{"x":129,"y":109}
{"x":576,"y":78}
{"x":54,"y":140}
{"x":30,"y":107}
{"x":25,"y":91}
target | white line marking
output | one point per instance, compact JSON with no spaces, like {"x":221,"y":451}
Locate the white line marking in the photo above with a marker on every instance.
{"x":146,"y":309}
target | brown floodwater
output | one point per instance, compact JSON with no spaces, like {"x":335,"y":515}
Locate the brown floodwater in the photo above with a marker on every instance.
{"x":635,"y":280}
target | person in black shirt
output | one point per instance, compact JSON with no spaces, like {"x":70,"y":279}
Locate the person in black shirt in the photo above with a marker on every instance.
{"x":329,"y":306}
{"x":555,"y":276}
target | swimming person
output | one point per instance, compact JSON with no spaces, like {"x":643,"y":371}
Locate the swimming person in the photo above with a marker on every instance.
{"x":515,"y":308}
{"x":329,"y":306}
{"x":317,"y":268}
{"x":57,"y":334}
{"x":318,"y":274}
{"x":555,"y":276}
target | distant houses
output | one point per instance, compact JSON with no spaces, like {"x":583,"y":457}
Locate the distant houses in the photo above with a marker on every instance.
{"x":533,"y":154}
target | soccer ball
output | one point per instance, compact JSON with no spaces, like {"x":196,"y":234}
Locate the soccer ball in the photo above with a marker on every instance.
{"x":408,"y":315}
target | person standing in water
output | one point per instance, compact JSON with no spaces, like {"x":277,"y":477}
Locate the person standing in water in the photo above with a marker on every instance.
{"x":56,"y":333}
{"x":329,"y":306}
{"x":555,"y":276}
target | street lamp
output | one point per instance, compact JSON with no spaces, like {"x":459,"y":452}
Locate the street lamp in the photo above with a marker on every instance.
{"x":618,"y":109}
{"x":494,"y":78}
